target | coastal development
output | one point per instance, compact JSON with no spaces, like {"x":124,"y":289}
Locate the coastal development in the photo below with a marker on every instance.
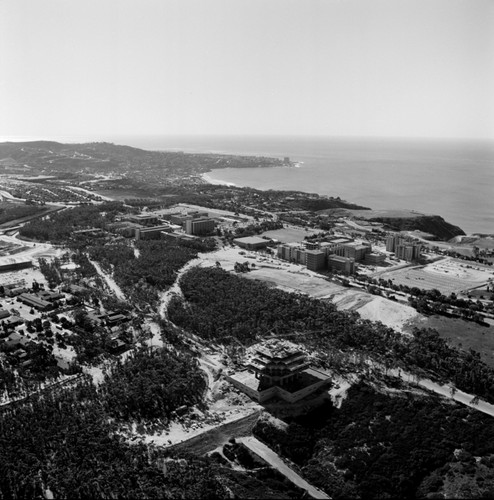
{"x":267,"y":344}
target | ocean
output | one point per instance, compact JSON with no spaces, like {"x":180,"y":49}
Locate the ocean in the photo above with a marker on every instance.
{"x":454,"y":179}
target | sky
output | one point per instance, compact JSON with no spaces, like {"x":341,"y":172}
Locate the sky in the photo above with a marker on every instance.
{"x":391,"y":68}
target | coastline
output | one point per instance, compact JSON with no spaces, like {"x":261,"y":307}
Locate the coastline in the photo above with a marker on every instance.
{"x":216,"y":182}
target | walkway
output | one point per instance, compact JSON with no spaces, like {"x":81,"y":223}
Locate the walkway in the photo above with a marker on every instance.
{"x":273,"y":459}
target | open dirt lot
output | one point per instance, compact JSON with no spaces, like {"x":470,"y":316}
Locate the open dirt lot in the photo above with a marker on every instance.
{"x":447,"y":275}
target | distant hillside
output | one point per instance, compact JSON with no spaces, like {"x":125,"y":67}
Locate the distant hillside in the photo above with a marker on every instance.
{"x":432,"y":224}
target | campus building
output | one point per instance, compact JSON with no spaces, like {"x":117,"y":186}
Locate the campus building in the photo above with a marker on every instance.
{"x":200,"y":226}
{"x":375,"y":259}
{"x":343,"y":264}
{"x":181,"y":219}
{"x":251,"y":242}
{"x":152,"y":232}
{"x":393,"y":240}
{"x":292,"y":252}
{"x":315,"y":259}
{"x":353,"y":251}
{"x":408,"y":251}
{"x":144,"y":219}
{"x":13,"y":264}
{"x":34,"y":301}
{"x":278,"y":368}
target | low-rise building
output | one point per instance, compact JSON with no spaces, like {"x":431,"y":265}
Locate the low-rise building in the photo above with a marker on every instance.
{"x":32,"y":300}
{"x":251,"y":242}
{"x":145,"y":219}
{"x":4,"y":314}
{"x":14,"y":264}
{"x":375,"y":259}
{"x":150,"y":233}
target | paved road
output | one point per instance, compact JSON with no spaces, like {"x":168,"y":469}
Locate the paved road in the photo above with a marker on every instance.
{"x":273,"y":459}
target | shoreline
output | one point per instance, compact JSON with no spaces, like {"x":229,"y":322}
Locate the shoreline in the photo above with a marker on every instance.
{"x":216,"y":182}
{"x":479,"y":235}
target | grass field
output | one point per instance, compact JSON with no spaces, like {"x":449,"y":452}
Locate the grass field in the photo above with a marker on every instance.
{"x":288,"y":234}
{"x":463,"y":334}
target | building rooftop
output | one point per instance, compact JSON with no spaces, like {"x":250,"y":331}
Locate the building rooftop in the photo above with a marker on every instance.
{"x":337,"y":258}
{"x":277,"y":348}
{"x":251,"y":240}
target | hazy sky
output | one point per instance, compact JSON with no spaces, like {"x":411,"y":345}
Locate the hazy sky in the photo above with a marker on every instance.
{"x":91,"y":68}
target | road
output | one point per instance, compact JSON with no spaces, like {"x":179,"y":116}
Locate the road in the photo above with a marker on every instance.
{"x":273,"y":459}
{"x":447,"y":391}
{"x":111,"y":283}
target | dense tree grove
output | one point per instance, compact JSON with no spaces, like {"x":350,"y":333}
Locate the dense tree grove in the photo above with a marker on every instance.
{"x":379,"y":445}
{"x":66,"y":443}
{"x":152,"y":384}
{"x":142,"y":277}
{"x":217,"y":305}
{"x":58,"y":227}
{"x":12,"y":211}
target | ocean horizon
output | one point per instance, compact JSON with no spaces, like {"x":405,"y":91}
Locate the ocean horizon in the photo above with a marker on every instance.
{"x":452,"y":178}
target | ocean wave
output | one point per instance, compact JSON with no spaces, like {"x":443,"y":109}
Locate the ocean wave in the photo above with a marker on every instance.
{"x":216,"y":182}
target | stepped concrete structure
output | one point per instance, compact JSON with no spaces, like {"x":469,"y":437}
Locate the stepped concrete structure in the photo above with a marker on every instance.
{"x":278,"y":369}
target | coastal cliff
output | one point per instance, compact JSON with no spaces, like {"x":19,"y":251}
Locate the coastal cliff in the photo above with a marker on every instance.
{"x":432,"y":224}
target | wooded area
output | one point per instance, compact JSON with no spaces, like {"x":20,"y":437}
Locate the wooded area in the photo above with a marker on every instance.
{"x":387,"y":445}
{"x":217,"y":304}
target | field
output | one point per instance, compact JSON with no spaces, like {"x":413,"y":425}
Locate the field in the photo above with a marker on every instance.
{"x":447,"y":275}
{"x":288,"y":234}
{"x":462,"y":334}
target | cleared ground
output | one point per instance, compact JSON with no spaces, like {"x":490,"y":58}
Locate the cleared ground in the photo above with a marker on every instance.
{"x":375,"y":308}
{"x":296,"y":278}
{"x":289,"y":234}
{"x":447,"y":275}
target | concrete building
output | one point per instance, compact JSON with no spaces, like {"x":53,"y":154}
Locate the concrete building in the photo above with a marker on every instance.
{"x":292,"y":252}
{"x":311,"y":245}
{"x":375,"y":259}
{"x":145,"y":219}
{"x":152,"y":232}
{"x":181,"y":219}
{"x":344,"y":264}
{"x":278,"y":369}
{"x":173,"y":236}
{"x":354,"y":251}
{"x":392,"y":241}
{"x":316,"y":259}
{"x":251,"y":242}
{"x":408,"y":251}
{"x":200,"y":226}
